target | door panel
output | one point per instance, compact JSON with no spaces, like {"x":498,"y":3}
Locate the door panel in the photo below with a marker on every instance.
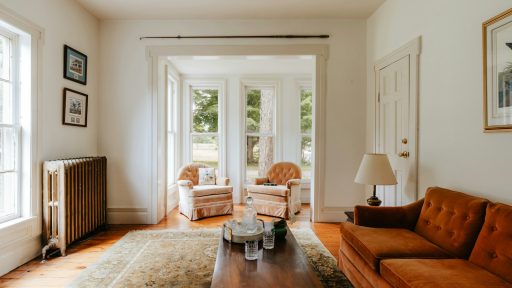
{"x":393,"y":118}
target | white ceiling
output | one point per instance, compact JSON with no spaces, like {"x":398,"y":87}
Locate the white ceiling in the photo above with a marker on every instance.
{"x":225,"y":65}
{"x":230,"y":9}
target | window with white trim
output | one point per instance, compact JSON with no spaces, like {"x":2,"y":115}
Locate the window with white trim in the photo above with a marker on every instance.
{"x":172,"y":139}
{"x":205,"y":124}
{"x":306,"y":128}
{"x":259,"y":130}
{"x":10,"y":176}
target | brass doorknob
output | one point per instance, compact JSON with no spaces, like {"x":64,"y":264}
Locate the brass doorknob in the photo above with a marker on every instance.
{"x":404,"y":154}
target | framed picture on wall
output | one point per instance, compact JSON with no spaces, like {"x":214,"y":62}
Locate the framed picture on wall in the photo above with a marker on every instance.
{"x":497,"y":56}
{"x":75,"y":65}
{"x":74,"y":108}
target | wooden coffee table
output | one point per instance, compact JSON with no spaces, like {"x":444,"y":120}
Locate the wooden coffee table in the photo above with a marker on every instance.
{"x":284,"y":266}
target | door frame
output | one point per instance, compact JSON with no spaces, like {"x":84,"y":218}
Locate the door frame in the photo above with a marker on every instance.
{"x":156,"y":55}
{"x":412,"y":49}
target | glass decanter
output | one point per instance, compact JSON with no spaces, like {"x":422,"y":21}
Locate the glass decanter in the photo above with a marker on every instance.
{"x":249,"y":219}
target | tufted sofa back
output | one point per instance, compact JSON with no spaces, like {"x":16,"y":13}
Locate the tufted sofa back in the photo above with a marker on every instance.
{"x":451,"y":220}
{"x":493,"y":249}
{"x":280,"y":172}
{"x":191,"y":172}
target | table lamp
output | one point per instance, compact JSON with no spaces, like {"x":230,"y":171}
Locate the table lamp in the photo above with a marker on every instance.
{"x":375,"y":170}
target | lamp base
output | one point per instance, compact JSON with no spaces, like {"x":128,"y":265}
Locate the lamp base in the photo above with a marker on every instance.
{"x":373,"y":201}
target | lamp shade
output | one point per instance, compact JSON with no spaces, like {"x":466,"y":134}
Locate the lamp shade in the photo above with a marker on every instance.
{"x":375,"y":170}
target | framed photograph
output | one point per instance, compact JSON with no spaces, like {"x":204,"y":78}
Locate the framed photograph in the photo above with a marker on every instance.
{"x":75,"y":65}
{"x":497,"y":56}
{"x":74,"y":108}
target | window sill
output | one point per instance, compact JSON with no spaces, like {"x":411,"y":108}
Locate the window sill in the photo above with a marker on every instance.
{"x":16,"y":221}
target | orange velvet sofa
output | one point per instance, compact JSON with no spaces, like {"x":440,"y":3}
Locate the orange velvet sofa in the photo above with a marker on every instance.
{"x":448,"y":239}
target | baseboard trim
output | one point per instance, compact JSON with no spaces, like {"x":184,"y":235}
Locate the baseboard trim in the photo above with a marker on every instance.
{"x":19,"y":253}
{"x":333,"y":214}
{"x":127,"y":215}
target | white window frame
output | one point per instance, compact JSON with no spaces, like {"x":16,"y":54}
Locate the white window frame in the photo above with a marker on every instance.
{"x":250,"y":85}
{"x":15,"y":114}
{"x":191,"y":84}
{"x":172,"y":127}
{"x":303,"y":84}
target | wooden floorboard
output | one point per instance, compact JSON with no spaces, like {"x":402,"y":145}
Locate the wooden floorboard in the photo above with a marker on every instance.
{"x":59,"y":271}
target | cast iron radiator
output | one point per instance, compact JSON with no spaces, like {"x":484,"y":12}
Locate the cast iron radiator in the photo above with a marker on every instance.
{"x":74,"y":200}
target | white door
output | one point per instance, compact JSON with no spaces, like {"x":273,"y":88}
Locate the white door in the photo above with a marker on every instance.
{"x":396,"y":131}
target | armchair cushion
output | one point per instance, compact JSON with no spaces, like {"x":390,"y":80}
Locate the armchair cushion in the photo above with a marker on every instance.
{"x":439,"y":273}
{"x":203,"y":190}
{"x":388,"y":217}
{"x":279,"y":190}
{"x":206,"y":176}
{"x":376,"y":244}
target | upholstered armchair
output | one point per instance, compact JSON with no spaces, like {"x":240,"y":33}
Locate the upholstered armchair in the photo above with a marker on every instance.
{"x":282,"y":200}
{"x":199,"y":201}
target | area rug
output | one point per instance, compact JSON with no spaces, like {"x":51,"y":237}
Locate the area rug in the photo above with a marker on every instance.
{"x":185,"y":258}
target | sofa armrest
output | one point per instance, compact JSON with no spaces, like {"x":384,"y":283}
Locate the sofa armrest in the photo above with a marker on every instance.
{"x":222,"y":181}
{"x":259,"y":181}
{"x":186,"y":183}
{"x":388,"y":217}
{"x":292,"y":182}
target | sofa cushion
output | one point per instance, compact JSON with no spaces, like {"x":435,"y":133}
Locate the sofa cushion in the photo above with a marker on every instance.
{"x":438,"y":273}
{"x":279,"y":190}
{"x":493,"y":248}
{"x":203,"y":190}
{"x":375,"y":244}
{"x":451,"y":220}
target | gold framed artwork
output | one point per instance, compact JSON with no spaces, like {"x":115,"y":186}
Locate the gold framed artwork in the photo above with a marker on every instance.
{"x":497,"y":64}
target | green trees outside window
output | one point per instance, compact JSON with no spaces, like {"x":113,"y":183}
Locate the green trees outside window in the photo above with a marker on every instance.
{"x":259,"y":131}
{"x":205,"y":126}
{"x":306,"y":127}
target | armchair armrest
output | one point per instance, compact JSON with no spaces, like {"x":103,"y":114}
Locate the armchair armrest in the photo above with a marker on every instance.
{"x":222,"y":181}
{"x":186,"y":183}
{"x":259,"y":181}
{"x":388,"y":217}
{"x":292,"y":182}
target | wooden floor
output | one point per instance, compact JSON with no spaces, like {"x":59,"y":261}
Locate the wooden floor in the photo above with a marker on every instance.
{"x":59,"y":271}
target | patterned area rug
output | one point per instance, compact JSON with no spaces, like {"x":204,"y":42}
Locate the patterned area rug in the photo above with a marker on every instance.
{"x":185,"y":258}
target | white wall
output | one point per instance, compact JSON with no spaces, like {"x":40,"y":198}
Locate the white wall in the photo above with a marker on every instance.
{"x":125,"y":107}
{"x":453,"y":150}
{"x":62,"y":22}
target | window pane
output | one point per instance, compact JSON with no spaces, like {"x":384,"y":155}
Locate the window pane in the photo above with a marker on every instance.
{"x":5,"y":58}
{"x":252,"y":119}
{"x":260,"y":155}
{"x":306,"y":110}
{"x":259,"y":110}
{"x":205,"y":110}
{"x":5,"y":103}
{"x":8,"y":193}
{"x":205,"y":149}
{"x":305,"y":161}
{"x":7,"y":148}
